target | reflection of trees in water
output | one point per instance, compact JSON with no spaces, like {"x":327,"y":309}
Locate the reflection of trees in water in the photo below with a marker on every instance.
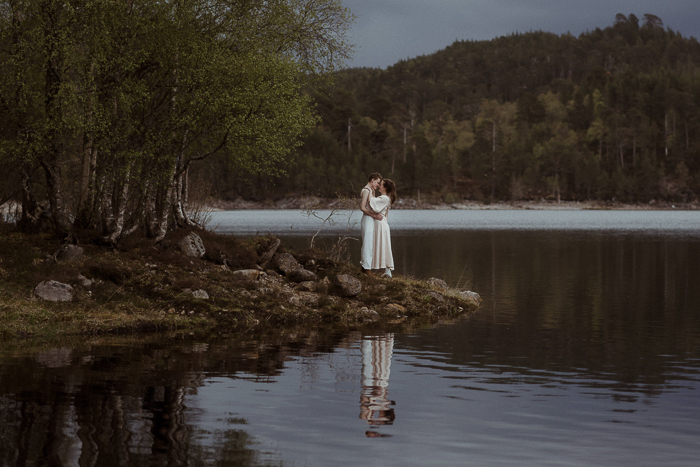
{"x":604,"y":306}
{"x":375,"y":405}
{"x":105,"y":428}
{"x":125,"y":405}
{"x":93,"y":404}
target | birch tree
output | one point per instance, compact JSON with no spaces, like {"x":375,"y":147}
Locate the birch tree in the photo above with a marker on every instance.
{"x":116,"y":100}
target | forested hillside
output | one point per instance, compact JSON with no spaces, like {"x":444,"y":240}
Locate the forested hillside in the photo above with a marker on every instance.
{"x":611,"y":114}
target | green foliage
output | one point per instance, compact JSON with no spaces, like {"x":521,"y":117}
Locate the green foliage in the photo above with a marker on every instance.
{"x":116,"y":101}
{"x":612,"y":113}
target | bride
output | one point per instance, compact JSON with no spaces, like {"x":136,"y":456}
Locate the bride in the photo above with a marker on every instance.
{"x":382,"y":258}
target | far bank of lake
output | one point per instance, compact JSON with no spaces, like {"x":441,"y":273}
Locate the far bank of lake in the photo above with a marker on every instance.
{"x":430,"y":203}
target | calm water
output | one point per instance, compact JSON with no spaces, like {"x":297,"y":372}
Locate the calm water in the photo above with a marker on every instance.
{"x":586,"y":351}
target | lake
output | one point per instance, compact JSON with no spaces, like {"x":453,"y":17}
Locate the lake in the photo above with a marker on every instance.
{"x":585,"y":351}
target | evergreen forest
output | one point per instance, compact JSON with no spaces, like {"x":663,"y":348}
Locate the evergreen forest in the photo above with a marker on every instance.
{"x":613,"y":114}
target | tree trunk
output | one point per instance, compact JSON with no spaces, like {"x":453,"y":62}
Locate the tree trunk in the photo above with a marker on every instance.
{"x":179,"y":199}
{"x":151,"y":208}
{"x":493,"y":175}
{"x":404,"y":142}
{"x":163,"y":220}
{"x":86,"y":195}
{"x":54,"y":190}
{"x":179,"y":188}
{"x":494,"y":137}
{"x":30,"y":210}
{"x":86,"y":198}
{"x":666,"y":135}
{"x":118,"y":216}
{"x":52,"y":159}
{"x":177,"y":204}
{"x":622,"y":156}
{"x":166,"y":206}
{"x":106,"y":207}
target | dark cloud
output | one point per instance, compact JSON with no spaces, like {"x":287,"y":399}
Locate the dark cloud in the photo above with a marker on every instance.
{"x":387,"y":31}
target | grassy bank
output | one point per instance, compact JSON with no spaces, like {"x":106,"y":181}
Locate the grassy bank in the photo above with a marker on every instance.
{"x":138,"y":286}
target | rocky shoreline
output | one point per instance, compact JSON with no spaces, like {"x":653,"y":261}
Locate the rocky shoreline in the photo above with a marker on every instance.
{"x":199,"y":281}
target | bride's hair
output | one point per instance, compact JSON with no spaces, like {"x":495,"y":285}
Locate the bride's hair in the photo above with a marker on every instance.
{"x":390,"y":188}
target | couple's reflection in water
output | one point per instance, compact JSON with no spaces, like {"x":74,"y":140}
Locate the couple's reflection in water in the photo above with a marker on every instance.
{"x":375,"y":406}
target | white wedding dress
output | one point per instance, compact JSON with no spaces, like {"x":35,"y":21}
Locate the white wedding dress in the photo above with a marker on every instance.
{"x":382,"y":258}
{"x":367,"y":226}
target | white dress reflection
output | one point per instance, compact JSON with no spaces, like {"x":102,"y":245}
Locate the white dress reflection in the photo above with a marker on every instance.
{"x":375,"y":405}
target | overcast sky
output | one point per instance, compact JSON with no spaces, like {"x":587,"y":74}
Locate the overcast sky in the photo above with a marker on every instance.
{"x":387,"y":31}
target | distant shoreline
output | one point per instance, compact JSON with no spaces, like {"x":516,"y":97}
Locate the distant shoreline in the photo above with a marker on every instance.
{"x":312,"y":202}
{"x":305,"y":203}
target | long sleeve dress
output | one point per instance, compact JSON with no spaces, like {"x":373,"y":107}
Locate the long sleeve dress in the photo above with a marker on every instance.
{"x":382,"y":256}
{"x":367,"y":229}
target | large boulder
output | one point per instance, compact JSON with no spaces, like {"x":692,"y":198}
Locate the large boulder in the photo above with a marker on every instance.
{"x":347,"y":285}
{"x":286,"y":263}
{"x":192,"y":245}
{"x":54,"y":291}
{"x":269,"y":253}
{"x":301,"y":275}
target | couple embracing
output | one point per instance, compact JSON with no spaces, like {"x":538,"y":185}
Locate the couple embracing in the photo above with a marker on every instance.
{"x":376,"y":236}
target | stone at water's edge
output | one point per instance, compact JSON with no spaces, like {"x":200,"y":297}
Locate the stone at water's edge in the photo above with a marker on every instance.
{"x":348,"y":286}
{"x":471,"y":297}
{"x":54,"y":291}
{"x":395,"y":308}
{"x":437,"y":282}
{"x":192,"y":245}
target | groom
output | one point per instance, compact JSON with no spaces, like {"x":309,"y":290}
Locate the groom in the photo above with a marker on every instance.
{"x":368,"y":216}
